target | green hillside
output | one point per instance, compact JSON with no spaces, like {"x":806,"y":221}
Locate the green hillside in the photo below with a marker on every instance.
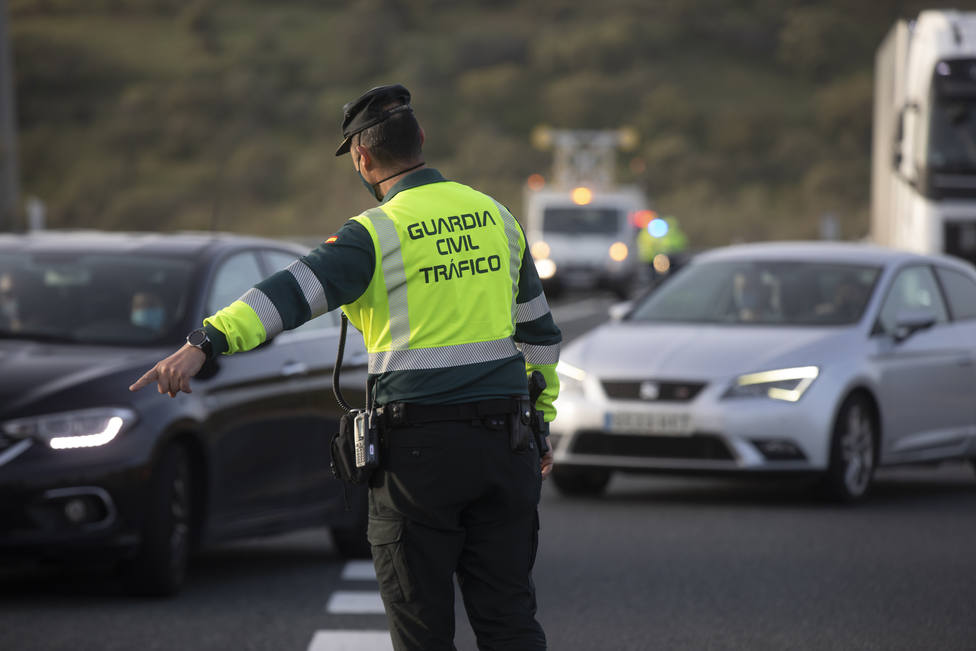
{"x":754,"y":116}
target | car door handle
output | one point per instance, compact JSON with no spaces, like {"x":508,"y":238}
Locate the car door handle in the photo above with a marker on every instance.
{"x":294,"y":368}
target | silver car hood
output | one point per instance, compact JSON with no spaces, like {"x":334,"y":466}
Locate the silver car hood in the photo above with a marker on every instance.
{"x":702,"y":352}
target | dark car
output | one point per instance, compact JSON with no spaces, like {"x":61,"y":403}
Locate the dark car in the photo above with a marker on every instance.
{"x":88,"y":467}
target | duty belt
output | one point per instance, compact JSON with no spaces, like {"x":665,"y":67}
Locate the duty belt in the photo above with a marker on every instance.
{"x":400,"y":414}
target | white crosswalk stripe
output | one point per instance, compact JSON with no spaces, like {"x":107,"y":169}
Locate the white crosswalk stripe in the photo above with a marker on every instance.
{"x":354,"y":602}
{"x":351,"y":641}
{"x":359,"y":571}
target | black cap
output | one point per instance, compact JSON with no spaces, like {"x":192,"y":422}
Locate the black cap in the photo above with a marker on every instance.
{"x":369,"y":109}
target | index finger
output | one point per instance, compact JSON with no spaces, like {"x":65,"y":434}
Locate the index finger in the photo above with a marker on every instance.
{"x":148,"y":378}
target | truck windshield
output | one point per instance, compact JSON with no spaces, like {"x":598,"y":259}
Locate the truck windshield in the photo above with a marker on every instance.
{"x":762,"y":292}
{"x":953,"y":136}
{"x":952,"y":129}
{"x":103,"y":298}
{"x":581,"y":219}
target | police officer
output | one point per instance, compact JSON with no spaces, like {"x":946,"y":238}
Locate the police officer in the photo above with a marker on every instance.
{"x":439,"y":280}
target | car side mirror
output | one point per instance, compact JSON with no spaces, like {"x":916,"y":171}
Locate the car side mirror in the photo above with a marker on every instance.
{"x":618,"y":311}
{"x":909,"y":322}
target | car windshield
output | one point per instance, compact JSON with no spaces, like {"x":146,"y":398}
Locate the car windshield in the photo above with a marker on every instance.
{"x":105,"y":298}
{"x":582,"y":219}
{"x":762,"y":292}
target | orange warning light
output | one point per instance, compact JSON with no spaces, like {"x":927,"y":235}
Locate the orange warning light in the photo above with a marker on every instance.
{"x":582,"y":196}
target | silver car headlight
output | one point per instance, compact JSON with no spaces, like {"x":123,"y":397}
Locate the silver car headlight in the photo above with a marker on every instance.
{"x":82,"y":428}
{"x":787,"y":384}
{"x":570,"y":378}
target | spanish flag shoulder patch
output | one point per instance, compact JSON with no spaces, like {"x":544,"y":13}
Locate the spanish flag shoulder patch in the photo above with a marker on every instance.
{"x":332,"y":239}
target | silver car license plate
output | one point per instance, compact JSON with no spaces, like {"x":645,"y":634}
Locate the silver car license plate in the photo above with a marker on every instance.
{"x":668,"y":424}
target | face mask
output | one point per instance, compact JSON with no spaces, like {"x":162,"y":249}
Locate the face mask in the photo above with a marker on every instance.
{"x":150,"y":317}
{"x":373,"y":189}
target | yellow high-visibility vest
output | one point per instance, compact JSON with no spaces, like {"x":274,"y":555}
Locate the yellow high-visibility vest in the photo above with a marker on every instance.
{"x":445,"y":282}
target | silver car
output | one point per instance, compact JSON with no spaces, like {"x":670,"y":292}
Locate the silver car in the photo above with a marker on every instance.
{"x":796,"y":357}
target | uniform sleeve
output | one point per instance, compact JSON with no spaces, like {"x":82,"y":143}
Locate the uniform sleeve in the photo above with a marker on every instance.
{"x":536,"y":334}
{"x":334,"y":274}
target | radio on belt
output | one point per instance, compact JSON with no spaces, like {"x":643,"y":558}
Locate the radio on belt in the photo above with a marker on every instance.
{"x":365,"y":440}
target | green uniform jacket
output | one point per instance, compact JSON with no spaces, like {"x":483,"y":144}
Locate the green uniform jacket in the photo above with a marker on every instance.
{"x":452,"y":309}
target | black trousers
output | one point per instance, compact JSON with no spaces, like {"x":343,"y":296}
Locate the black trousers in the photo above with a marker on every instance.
{"x":453,"y":498}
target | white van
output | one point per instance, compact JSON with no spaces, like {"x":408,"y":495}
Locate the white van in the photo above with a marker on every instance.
{"x":585,"y":238}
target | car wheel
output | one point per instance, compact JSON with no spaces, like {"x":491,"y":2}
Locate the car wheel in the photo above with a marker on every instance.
{"x":580,"y":481}
{"x":852,"y":451}
{"x":159,"y":567}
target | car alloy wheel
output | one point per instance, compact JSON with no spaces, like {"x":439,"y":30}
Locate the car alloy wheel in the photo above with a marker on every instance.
{"x":159,"y":567}
{"x":853,"y":449}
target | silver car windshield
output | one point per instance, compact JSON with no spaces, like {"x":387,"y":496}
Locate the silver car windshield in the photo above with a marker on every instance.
{"x":93,"y":297}
{"x":762,"y":292}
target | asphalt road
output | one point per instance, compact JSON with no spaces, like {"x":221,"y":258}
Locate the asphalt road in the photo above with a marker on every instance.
{"x":657,"y":563}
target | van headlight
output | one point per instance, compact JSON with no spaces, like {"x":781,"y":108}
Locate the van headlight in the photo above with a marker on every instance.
{"x":82,"y":428}
{"x":570,"y":378}
{"x":787,"y":384}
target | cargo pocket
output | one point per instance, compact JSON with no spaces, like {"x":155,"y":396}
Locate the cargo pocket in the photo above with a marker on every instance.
{"x":389,"y":558}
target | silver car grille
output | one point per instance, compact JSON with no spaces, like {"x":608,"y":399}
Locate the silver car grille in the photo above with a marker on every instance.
{"x":698,"y":446}
{"x":652,"y":390}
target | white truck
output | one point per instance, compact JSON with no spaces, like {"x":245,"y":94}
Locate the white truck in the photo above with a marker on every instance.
{"x":923,"y":177}
{"x":582,"y":226}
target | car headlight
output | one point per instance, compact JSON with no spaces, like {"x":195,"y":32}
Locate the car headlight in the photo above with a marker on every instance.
{"x":546,"y":268}
{"x":570,"y":378}
{"x":83,"y":428}
{"x":787,"y":384}
{"x":618,"y":252}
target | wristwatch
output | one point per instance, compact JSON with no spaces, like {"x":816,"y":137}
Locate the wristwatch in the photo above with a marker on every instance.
{"x":199,"y":339}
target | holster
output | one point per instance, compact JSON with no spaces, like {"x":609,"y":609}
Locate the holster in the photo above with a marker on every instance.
{"x":521,"y":437}
{"x":343,"y":448}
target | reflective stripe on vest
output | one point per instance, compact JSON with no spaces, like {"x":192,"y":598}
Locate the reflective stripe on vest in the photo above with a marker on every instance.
{"x":514,"y":258}
{"x":441,"y":357}
{"x":266,"y":311}
{"x":540,"y":355}
{"x":394,"y":276}
{"x":532,"y":309}
{"x":311,"y":288}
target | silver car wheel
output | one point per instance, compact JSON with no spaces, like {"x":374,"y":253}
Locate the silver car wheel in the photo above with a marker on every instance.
{"x":857,"y":450}
{"x":853,"y":450}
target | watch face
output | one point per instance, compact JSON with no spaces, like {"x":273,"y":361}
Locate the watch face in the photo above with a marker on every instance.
{"x":197,"y":338}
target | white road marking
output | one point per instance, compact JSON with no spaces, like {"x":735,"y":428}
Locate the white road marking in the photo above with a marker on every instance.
{"x":359,"y":571}
{"x":355,"y":602}
{"x":351,"y":641}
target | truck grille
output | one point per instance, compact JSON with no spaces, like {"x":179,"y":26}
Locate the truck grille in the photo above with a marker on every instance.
{"x":660,"y":391}
{"x":699,"y":446}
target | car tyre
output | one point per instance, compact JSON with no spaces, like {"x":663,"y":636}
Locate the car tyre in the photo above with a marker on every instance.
{"x":580,"y":481}
{"x":159,"y":567}
{"x":853,"y":451}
